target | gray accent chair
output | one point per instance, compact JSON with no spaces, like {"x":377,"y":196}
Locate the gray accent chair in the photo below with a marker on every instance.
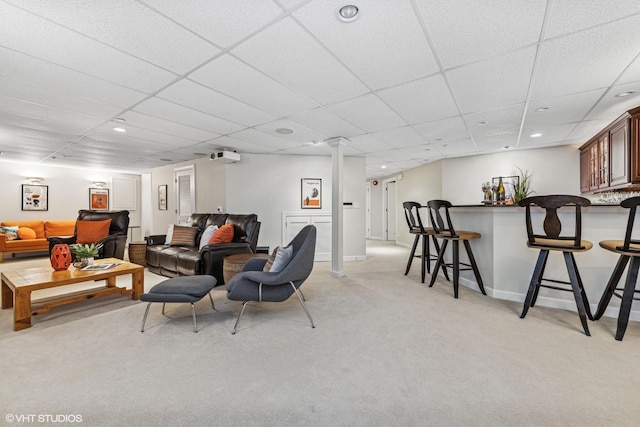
{"x":254,"y":285}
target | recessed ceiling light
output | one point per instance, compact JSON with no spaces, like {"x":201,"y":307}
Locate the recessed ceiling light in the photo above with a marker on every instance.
{"x":535,"y":135}
{"x":627,"y":93}
{"x":166,"y":160}
{"x":383,"y":167}
{"x":284,"y":131}
{"x":541,"y":109}
{"x":482,"y":123}
{"x":506,"y":147}
{"x":120,"y":120}
{"x":348,"y":13}
{"x":122,"y":130}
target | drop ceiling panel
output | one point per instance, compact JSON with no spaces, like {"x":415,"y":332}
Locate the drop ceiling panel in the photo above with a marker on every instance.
{"x":400,"y":137}
{"x":402,"y":51}
{"x":43,"y":39}
{"x":368,"y":113}
{"x":563,"y":109}
{"x":552,"y":134}
{"x":263,"y":139}
{"x":300,"y":133}
{"x":563,"y":61}
{"x":569,"y":16}
{"x":36,"y":124}
{"x":166,"y":110}
{"x":456,"y":148}
{"x":291,"y":56}
{"x":242,"y":146}
{"x":631,"y":74}
{"x":493,"y":83}
{"x":368,"y":144}
{"x":138,"y":120}
{"x":328,"y":124}
{"x":55,"y":98}
{"x":466,"y":31}
{"x":198,"y":97}
{"x":422,"y":100}
{"x":29,"y":69}
{"x":116,"y":23}
{"x":611,"y":107}
{"x":221,"y":22}
{"x":53,"y":115}
{"x":140,"y":136}
{"x":236,"y":79}
{"x":449,"y":129}
{"x":498,"y":121}
{"x":494,"y":143}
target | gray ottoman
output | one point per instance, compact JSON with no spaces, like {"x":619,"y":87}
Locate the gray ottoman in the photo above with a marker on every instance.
{"x":189,"y":289}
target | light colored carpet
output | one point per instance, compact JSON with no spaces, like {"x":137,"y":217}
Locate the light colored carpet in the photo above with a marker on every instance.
{"x":387,"y":350}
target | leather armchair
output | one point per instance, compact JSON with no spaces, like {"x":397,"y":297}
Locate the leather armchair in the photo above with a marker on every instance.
{"x":114,"y":244}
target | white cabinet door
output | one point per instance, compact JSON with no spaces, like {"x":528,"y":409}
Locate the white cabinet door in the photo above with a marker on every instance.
{"x":293,"y":222}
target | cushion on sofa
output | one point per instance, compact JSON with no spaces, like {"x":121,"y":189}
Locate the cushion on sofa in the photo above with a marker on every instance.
{"x":92,"y":231}
{"x":184,"y":236}
{"x":206,"y":235}
{"x":26,"y":233}
{"x":223,"y":235}
{"x":59,"y":228}
{"x":37,"y":226}
{"x":10,"y":231}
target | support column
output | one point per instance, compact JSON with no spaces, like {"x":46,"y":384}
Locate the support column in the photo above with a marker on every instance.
{"x":337,"y":211}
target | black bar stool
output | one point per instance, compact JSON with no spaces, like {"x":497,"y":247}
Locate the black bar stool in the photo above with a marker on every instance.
{"x":628,"y":248}
{"x":444,"y":230}
{"x":552,"y":241}
{"x":412,"y":215}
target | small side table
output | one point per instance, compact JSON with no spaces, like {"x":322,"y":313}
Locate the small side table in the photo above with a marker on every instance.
{"x":233,"y":264}
{"x":138,"y":253}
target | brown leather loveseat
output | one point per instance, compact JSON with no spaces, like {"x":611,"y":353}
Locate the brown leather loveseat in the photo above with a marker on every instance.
{"x":179,"y":260}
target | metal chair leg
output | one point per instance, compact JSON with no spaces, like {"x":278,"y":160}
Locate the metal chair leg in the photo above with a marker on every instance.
{"x":193,"y":313}
{"x":144,"y":319}
{"x":303,"y":304}
{"x":211,"y":299}
{"x":235,"y":327}
{"x":163,"y":304}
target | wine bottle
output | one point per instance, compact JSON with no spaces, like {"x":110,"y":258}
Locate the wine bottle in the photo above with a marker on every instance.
{"x":501,"y":192}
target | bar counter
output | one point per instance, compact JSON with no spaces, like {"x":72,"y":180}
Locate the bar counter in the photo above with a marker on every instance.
{"x":506,"y":263}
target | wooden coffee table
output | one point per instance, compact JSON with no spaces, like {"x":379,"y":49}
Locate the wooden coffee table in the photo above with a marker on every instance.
{"x":18,"y":285}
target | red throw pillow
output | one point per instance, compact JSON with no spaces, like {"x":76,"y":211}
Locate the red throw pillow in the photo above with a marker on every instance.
{"x":223,"y":235}
{"x":26,"y":233}
{"x":92,"y":231}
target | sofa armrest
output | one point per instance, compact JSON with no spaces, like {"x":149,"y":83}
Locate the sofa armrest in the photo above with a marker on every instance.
{"x":3,"y":242}
{"x":157,"y":239}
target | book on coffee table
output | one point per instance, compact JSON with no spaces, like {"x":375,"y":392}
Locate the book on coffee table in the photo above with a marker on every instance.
{"x":100,"y":267}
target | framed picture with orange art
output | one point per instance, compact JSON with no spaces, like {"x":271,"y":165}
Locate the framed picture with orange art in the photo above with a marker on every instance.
{"x":311,"y":194}
{"x":99,"y":199}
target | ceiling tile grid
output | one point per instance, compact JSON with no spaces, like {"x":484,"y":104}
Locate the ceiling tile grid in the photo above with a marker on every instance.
{"x":408,"y":81}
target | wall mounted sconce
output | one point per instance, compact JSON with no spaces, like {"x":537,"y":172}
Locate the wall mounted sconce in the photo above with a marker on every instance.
{"x":34,"y":179}
{"x":99,"y":184}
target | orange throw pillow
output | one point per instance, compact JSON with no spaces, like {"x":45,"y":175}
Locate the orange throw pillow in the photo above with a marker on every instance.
{"x":92,"y":231}
{"x":26,"y":233}
{"x":223,"y":235}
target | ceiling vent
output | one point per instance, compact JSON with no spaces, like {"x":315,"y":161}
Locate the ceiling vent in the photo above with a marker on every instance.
{"x":225,"y":156}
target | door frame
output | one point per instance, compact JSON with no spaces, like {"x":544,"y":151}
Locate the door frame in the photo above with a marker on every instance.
{"x":385,"y":214}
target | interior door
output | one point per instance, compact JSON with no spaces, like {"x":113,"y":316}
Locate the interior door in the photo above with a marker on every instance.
{"x":185,"y":193}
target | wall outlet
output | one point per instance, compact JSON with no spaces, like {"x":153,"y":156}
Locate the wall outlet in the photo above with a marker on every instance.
{"x":220,"y":209}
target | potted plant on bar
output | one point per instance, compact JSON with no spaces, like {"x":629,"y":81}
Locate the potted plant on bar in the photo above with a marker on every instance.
{"x":522,"y":187}
{"x":85,"y":253}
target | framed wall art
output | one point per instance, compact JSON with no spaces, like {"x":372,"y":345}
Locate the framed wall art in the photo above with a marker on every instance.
{"x":35,"y":197}
{"x":311,"y":193}
{"x":99,"y":199}
{"x":162,"y":197}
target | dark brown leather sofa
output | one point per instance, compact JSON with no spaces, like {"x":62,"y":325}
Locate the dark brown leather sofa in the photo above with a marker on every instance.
{"x":114,"y":244}
{"x":172,"y":261}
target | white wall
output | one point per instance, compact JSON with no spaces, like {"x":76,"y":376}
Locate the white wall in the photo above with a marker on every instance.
{"x":268,"y":185}
{"x":210,"y":182}
{"x":554,"y":170}
{"x":68,"y":192}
